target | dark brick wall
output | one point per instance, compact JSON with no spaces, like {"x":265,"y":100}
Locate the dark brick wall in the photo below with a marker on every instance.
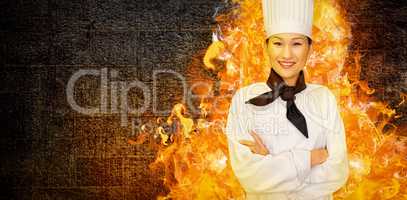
{"x":380,"y":35}
{"x":50,"y":151}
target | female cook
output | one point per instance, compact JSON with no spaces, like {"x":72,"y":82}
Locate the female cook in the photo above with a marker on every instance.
{"x":286,"y":137}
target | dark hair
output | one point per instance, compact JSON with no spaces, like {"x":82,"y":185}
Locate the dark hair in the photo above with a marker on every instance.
{"x":308,"y":38}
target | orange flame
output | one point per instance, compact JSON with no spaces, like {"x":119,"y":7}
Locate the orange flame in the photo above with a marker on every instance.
{"x":195,"y":156}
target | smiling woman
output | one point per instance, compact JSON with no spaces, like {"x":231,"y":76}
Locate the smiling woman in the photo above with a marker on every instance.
{"x":309,"y":161}
{"x":288,"y":54}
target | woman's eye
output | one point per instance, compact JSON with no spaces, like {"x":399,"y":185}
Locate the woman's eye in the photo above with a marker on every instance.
{"x":297,"y":44}
{"x":277,"y":43}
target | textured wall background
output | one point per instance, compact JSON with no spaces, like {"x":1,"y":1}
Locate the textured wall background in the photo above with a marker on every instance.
{"x":49,"y":151}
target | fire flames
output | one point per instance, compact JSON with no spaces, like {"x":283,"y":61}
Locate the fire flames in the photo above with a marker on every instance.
{"x":194,"y":155}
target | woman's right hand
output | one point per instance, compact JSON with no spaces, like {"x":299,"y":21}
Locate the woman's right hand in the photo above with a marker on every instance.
{"x":318,"y":156}
{"x":257,"y":146}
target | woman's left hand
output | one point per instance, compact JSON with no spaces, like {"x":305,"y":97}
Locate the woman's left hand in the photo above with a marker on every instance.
{"x":257,"y":146}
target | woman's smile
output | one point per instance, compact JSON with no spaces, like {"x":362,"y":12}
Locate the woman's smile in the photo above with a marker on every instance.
{"x":286,"y":64}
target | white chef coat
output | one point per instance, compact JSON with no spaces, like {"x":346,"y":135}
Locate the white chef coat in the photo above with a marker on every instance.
{"x":286,"y":172}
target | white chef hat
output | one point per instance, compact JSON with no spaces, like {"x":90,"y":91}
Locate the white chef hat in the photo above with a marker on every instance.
{"x":288,"y":16}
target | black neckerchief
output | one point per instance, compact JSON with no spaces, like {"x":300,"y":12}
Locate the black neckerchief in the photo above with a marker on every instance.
{"x":280,"y":88}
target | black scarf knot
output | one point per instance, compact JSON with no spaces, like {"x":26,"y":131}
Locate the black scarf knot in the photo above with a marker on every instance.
{"x":287,"y":93}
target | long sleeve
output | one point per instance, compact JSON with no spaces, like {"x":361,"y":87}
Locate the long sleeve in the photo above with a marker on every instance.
{"x":331,"y":175}
{"x":283,"y":172}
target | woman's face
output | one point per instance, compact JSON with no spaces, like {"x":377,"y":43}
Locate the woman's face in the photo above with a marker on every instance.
{"x":288,"y":53}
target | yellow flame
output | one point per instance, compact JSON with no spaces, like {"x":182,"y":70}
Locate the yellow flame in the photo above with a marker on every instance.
{"x":195,"y":163}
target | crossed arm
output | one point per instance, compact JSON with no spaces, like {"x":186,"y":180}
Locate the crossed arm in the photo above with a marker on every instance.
{"x":300,"y":173}
{"x":256,"y":146}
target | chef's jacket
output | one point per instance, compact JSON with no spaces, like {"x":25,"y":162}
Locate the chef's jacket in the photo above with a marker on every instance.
{"x":286,"y":172}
